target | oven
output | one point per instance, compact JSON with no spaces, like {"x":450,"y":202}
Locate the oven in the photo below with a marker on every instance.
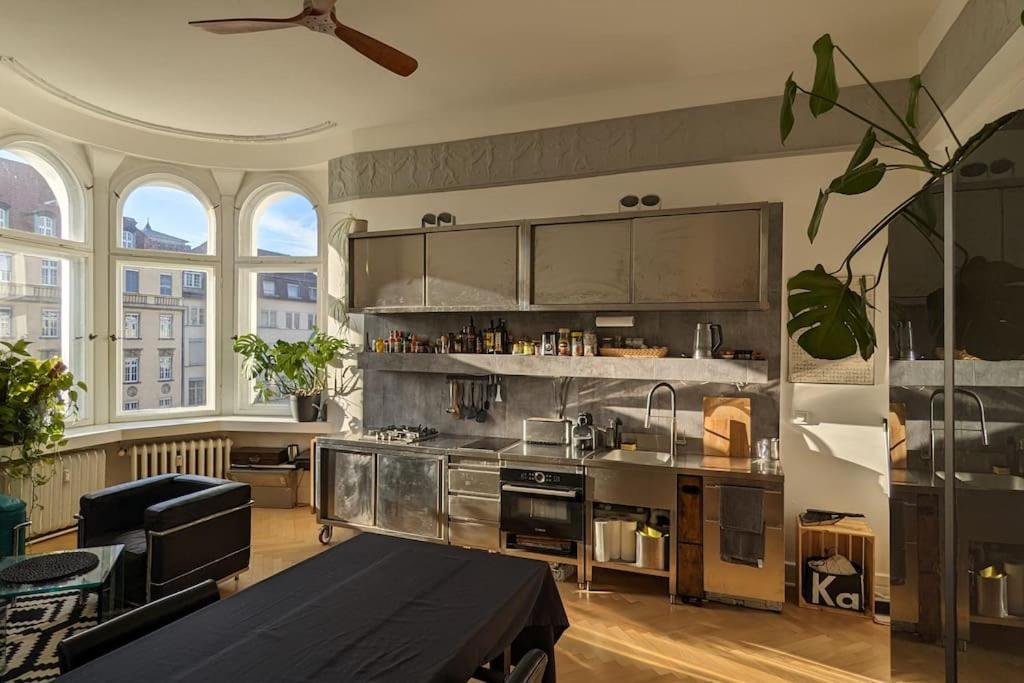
{"x":542,"y":510}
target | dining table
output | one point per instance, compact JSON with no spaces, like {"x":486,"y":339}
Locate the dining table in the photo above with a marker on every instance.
{"x":373,"y":608}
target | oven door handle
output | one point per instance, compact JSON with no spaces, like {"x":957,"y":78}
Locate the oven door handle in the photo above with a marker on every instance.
{"x":538,"y":492}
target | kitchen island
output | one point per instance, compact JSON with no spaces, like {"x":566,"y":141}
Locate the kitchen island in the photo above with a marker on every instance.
{"x":446,"y":489}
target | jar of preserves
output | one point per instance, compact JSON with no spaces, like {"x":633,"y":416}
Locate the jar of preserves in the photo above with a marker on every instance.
{"x":589,"y":343}
{"x":576,"y":342}
{"x":563,"y":342}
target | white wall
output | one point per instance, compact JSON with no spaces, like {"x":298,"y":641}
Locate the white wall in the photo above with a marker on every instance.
{"x":839,"y":463}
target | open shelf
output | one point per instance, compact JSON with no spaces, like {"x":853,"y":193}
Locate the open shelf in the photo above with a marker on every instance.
{"x":969,"y":373}
{"x":629,"y":567}
{"x":653,"y":369}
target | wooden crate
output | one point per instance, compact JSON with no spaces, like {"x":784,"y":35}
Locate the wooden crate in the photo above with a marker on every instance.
{"x":852,"y":538}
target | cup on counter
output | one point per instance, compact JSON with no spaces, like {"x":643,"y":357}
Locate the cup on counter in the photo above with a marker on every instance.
{"x":763,"y":450}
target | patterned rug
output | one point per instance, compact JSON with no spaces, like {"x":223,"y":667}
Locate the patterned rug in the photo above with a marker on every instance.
{"x":35,"y":626}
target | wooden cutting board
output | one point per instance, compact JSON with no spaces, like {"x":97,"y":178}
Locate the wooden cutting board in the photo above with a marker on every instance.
{"x":727,"y":426}
{"x":898,"y":435}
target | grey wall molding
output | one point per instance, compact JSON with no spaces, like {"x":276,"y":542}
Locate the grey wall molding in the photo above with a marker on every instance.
{"x":979,"y":32}
{"x":730,"y":131}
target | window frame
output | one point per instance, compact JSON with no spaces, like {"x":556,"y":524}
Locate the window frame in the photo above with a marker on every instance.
{"x":71,"y":170}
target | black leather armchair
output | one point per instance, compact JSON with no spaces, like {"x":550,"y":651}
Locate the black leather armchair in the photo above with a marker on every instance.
{"x":85,"y":646}
{"x":177,"y":529}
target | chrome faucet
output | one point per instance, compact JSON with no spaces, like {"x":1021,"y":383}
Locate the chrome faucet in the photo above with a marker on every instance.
{"x":647,"y":417}
{"x":931,"y":419}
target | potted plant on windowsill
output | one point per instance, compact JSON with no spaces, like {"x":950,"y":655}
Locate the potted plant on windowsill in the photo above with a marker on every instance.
{"x":36,"y":398}
{"x":294,"y":369}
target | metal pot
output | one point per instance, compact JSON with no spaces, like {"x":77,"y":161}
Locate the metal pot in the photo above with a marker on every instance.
{"x":305,"y":408}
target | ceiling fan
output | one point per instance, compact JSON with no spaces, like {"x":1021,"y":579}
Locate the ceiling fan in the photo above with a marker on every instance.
{"x":318,"y":15}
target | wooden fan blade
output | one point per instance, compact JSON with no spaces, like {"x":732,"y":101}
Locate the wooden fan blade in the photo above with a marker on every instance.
{"x":318,"y":6}
{"x":227,"y":26}
{"x":374,"y":50}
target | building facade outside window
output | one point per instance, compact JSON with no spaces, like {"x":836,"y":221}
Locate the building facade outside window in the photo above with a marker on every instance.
{"x":6,"y":323}
{"x":127,"y":239}
{"x":293,"y":290}
{"x":166,"y":326}
{"x":193,"y":280}
{"x":45,"y":225}
{"x":5,"y":220}
{"x":49,"y":272}
{"x":131,"y":370}
{"x":196,"y":392}
{"x":51,"y":325}
{"x":131,"y":405}
{"x":131,"y":281}
{"x":166,"y":365}
{"x":167,"y":403}
{"x":166,"y":284}
{"x":131,"y":325}
{"x":6,"y":267}
{"x":269,"y":287}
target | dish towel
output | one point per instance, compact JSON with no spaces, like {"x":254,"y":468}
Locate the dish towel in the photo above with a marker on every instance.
{"x":741,"y":522}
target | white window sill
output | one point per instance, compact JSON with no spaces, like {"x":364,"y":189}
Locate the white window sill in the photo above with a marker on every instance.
{"x":99,"y":435}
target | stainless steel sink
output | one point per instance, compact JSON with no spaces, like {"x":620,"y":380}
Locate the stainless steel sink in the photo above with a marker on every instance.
{"x":984,"y":480}
{"x":638,"y":457}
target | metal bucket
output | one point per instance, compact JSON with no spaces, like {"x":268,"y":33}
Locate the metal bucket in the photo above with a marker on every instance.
{"x":651,"y":553}
{"x":991,"y":593}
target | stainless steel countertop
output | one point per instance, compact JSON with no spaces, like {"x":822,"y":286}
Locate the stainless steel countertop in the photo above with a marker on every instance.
{"x":537,"y":454}
{"x":919,"y":479}
{"x":687,"y":463}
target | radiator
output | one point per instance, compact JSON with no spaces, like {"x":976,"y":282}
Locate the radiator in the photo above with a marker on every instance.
{"x":52,"y":506}
{"x":208,"y":457}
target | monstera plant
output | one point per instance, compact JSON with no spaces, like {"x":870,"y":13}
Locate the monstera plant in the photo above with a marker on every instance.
{"x":829,"y":308}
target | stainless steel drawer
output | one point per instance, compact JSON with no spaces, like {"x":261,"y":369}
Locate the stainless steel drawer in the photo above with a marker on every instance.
{"x":467,"y":480}
{"x":473,"y":535}
{"x":474,"y":508}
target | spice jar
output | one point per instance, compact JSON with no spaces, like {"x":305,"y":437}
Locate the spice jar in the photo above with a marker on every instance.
{"x":563,"y":342}
{"x":589,"y":343}
{"x":577,"y":343}
{"x":549,"y":344}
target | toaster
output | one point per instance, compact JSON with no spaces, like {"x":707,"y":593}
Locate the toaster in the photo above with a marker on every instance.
{"x":547,"y":430}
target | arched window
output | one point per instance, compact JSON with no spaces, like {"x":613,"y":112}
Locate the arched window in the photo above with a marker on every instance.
{"x":279,"y":272}
{"x":42,"y":269}
{"x":165,"y":274}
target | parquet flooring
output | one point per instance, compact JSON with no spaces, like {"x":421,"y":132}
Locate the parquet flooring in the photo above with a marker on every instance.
{"x":630,"y":634}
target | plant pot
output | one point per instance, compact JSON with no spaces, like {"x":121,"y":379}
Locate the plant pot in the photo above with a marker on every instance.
{"x":305,"y":408}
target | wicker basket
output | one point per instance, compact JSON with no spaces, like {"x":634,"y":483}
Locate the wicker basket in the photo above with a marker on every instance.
{"x":656,"y":352}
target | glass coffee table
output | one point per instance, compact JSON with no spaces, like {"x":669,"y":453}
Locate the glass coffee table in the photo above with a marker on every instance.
{"x":106,"y":580}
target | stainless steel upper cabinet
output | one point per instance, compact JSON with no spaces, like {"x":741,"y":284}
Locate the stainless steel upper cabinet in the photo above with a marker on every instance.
{"x":699,"y":260}
{"x":387,"y":272}
{"x":580,"y":264}
{"x":475,"y":268}
{"x":409,"y":497}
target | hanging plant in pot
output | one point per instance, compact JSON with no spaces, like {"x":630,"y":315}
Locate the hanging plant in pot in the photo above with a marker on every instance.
{"x":294,"y":369}
{"x":828,"y":310}
{"x":36,"y":399}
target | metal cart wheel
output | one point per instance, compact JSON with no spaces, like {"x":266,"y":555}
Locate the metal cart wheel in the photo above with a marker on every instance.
{"x":326,"y":531}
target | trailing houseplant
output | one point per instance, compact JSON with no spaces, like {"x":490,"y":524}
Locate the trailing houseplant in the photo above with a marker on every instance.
{"x":295,"y":369}
{"x":36,"y":398}
{"x":828,"y":308}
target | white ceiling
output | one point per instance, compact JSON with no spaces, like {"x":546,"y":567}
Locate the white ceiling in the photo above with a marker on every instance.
{"x":140,"y":59}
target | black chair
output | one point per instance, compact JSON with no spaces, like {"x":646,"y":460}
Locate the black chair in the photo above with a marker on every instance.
{"x":76,"y":650}
{"x":530,"y":668}
{"x":177,"y":529}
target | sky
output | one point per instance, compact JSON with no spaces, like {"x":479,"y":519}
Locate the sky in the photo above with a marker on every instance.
{"x":285,"y":222}
{"x":169,"y":210}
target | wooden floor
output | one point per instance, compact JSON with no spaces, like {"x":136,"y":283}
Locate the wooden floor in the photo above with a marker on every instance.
{"x":632,"y":634}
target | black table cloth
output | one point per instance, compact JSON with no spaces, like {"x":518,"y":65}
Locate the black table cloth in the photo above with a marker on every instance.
{"x":373,"y":608}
